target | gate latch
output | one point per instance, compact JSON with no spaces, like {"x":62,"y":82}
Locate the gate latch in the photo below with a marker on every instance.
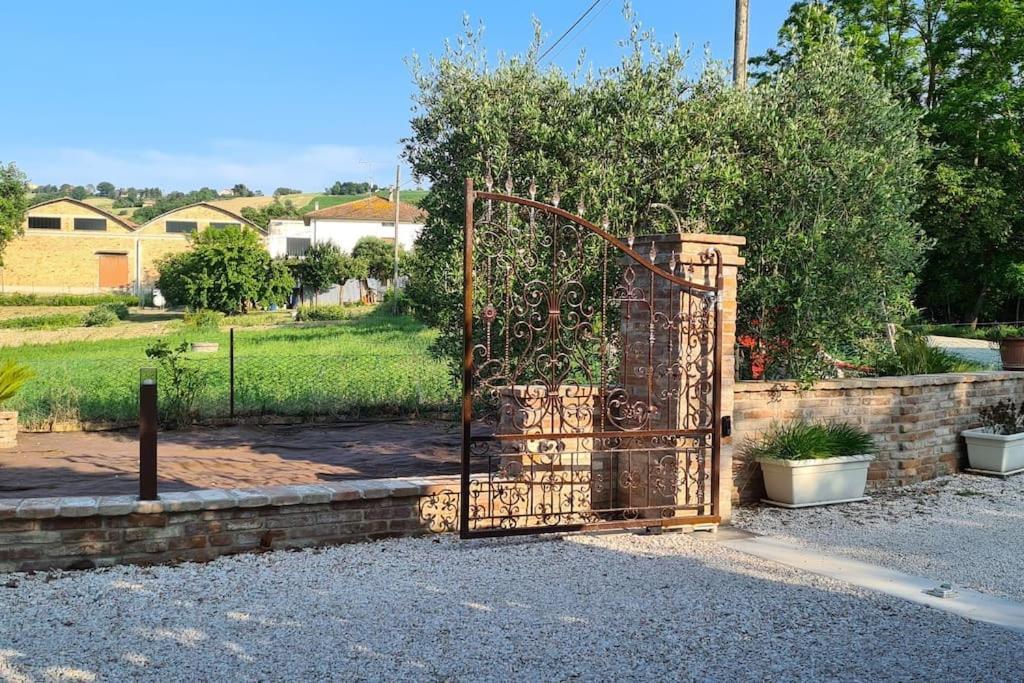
{"x":727,"y":425}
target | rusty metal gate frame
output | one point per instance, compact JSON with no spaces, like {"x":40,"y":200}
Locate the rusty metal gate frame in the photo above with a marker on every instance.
{"x":707,"y":434}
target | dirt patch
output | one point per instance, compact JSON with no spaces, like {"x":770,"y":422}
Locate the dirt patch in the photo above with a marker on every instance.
{"x":141,"y":324}
{"x":106,"y":463}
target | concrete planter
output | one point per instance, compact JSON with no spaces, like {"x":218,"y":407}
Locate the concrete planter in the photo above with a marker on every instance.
{"x":994,"y":453}
{"x":803,"y":483}
{"x":205,"y":347}
{"x":8,"y":428}
{"x":1011,"y":351}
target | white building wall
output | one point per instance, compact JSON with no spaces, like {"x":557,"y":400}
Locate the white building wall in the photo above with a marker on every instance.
{"x":344,"y":234}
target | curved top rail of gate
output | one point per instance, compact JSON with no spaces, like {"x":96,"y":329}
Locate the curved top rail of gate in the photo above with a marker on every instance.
{"x":579,"y":220}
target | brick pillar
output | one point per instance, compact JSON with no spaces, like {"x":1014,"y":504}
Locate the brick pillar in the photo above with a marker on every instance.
{"x":687,"y":249}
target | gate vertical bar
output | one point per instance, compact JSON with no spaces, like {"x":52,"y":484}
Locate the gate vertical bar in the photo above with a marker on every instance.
{"x":467,"y":358}
{"x":716,"y":391}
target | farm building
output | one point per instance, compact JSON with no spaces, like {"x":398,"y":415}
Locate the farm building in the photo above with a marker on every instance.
{"x":72,"y":247}
{"x":344,"y":224}
{"x":168,"y":234}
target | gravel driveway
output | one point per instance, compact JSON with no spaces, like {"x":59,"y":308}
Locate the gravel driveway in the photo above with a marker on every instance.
{"x":619,"y":607}
{"x":964,"y":528}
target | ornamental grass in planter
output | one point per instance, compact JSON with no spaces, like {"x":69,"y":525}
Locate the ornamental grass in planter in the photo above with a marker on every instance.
{"x":805,"y":464}
{"x":997,"y":447}
{"x":12,"y":378}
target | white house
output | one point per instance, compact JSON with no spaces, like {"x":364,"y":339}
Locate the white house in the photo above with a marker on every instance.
{"x":344,"y":224}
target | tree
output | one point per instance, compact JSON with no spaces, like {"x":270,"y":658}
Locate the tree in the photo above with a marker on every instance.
{"x":13,"y":204}
{"x":378,"y":255}
{"x":240,"y":190}
{"x":340,"y":188}
{"x":958,"y":62}
{"x":226,"y":270}
{"x":78,"y":192}
{"x":106,"y":189}
{"x":325,"y":265}
{"x":262,"y":216}
{"x":816,"y":165}
{"x":282,"y":191}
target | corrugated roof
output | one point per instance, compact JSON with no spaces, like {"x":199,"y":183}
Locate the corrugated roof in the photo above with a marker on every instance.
{"x":371,"y":208}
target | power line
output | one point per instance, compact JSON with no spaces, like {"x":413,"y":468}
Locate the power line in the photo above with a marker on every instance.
{"x":569,"y":30}
{"x":582,"y":30}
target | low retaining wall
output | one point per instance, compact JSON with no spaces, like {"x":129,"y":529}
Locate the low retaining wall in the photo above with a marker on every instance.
{"x":916,"y":420}
{"x":83,"y":532}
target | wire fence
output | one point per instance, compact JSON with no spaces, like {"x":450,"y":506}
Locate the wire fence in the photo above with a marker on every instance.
{"x":241,"y":382}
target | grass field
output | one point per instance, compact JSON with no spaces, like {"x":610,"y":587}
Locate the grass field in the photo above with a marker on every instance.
{"x":373,"y":364}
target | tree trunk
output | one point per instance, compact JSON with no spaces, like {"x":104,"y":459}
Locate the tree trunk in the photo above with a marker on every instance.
{"x":976,"y":312}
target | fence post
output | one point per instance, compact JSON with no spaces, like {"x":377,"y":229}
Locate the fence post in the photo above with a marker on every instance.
{"x":147,"y":434}
{"x":231,"y":371}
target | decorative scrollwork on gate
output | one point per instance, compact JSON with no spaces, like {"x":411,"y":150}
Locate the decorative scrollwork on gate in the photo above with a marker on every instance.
{"x":592,"y":373}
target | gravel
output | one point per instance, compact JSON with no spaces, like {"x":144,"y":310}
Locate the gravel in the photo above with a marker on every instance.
{"x":980,"y":351}
{"x":967,"y":529}
{"x":614,"y":607}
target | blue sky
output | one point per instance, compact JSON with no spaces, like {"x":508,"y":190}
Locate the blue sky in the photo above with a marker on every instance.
{"x":185,"y":94}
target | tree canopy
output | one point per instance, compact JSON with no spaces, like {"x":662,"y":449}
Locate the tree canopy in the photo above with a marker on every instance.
{"x":817,"y":165}
{"x":13,"y":204}
{"x":226,"y":270}
{"x":958,"y":64}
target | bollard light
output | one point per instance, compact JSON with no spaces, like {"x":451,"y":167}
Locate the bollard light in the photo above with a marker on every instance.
{"x":147,"y":433}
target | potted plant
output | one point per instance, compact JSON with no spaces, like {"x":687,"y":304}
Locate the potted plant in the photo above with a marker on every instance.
{"x":1011,"y":345}
{"x":12,"y":378}
{"x":997,"y":447}
{"x":805,"y":464}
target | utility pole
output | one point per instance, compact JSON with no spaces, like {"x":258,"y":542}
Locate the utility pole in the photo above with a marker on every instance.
{"x":394,"y":282}
{"x":739,"y":54}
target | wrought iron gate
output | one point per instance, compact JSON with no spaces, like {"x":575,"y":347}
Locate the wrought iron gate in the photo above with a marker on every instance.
{"x":591,"y":374}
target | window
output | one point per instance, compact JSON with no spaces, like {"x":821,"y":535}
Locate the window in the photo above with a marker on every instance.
{"x":221,"y":226}
{"x":388,"y":224}
{"x":43,"y":223}
{"x":90,"y":224}
{"x":181,"y":226}
{"x":298,"y":246}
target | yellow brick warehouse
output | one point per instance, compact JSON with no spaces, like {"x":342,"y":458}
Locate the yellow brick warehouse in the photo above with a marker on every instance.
{"x":70,"y":247}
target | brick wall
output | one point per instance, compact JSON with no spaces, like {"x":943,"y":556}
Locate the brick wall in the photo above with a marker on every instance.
{"x":916,"y":420}
{"x":81,"y":533}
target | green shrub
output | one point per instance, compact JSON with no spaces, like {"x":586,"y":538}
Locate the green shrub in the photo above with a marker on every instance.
{"x":998,"y":332}
{"x":117,"y":308}
{"x":203,"y":319}
{"x":914,"y":356}
{"x":14,"y":299}
{"x":319,"y":313}
{"x":181,"y":382}
{"x":398,"y":303}
{"x":50,"y":321}
{"x":810,"y":441}
{"x":101,"y":316}
{"x":13,"y":377}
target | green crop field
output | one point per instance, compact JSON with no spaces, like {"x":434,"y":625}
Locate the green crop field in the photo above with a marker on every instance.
{"x":371,"y":364}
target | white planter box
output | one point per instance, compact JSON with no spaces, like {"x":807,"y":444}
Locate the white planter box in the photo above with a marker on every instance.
{"x":801,"y":483}
{"x":996,"y":453}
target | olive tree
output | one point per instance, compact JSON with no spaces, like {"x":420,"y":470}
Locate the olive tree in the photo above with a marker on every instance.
{"x":816,"y":166}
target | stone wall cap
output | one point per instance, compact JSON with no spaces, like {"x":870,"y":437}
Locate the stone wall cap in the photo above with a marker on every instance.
{"x":698,"y":237}
{"x":749,"y":387}
{"x":219,"y":499}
